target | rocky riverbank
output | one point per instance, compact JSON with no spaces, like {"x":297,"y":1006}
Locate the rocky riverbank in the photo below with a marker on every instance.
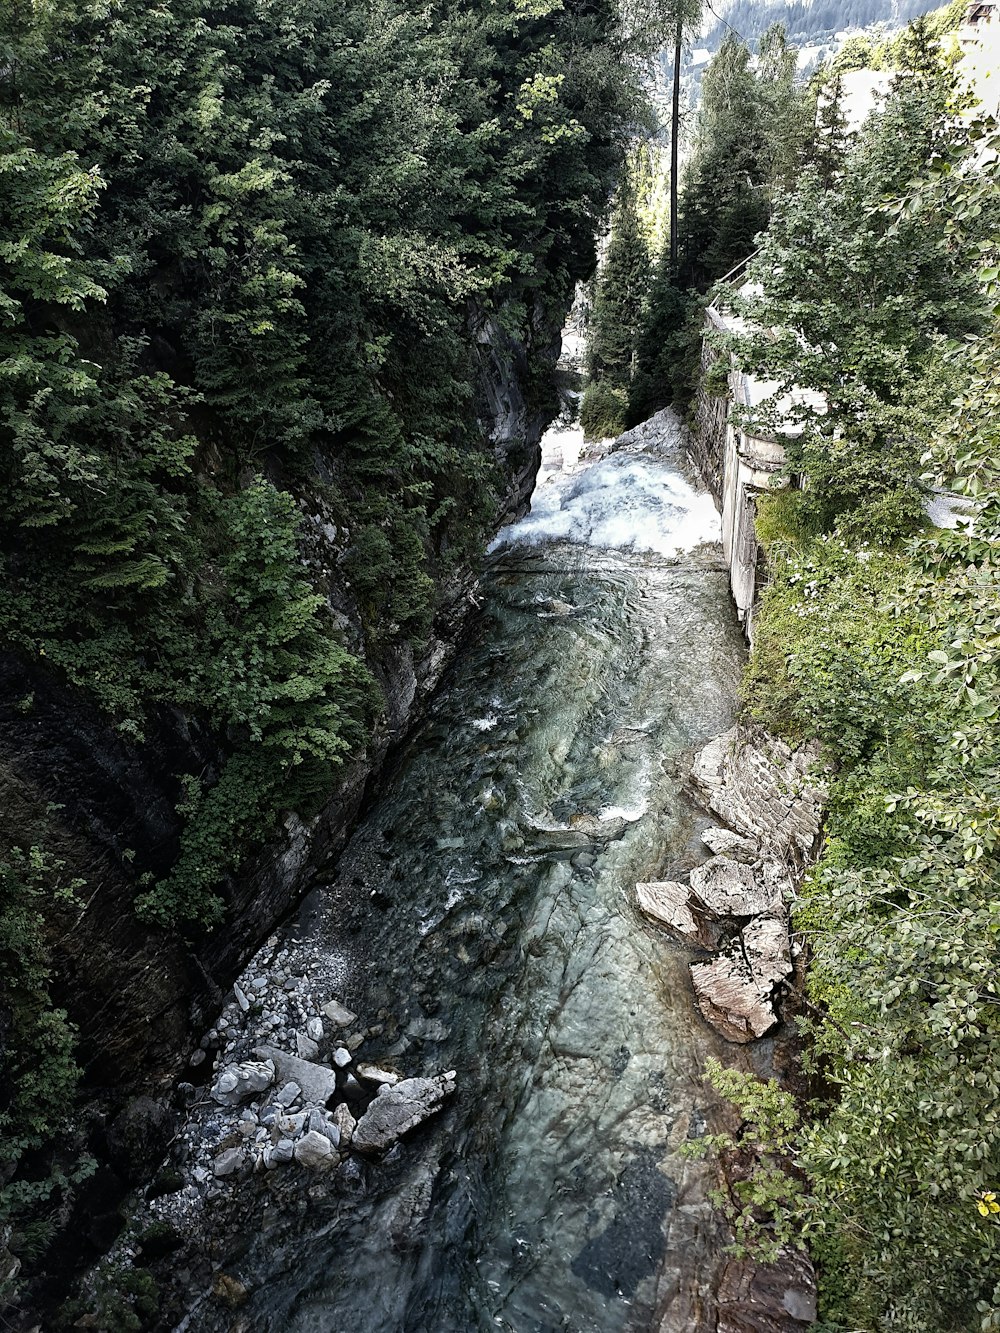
{"x":769,"y":801}
{"x":734,"y":909}
{"x":278,"y":1099}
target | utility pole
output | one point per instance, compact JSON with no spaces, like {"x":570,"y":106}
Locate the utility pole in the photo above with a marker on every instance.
{"x":675,"y":125}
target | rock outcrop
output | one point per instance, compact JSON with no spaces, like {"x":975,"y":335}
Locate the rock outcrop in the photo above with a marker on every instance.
{"x":265,"y":1120}
{"x":735,"y":904}
{"x":397,"y":1109}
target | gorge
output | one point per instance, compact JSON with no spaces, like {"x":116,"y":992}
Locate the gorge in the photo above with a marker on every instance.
{"x":453,"y":874}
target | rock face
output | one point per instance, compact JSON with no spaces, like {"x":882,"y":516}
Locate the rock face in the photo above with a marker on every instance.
{"x":736,"y":902}
{"x":398,"y":1109}
{"x":767,"y":1298}
{"x":668,"y":901}
{"x":763,"y":791}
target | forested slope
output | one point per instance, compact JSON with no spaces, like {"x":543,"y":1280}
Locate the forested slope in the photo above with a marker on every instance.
{"x":281,"y":289}
{"x":875,"y":286}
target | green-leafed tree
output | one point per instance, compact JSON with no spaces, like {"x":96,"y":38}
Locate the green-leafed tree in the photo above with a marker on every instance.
{"x":248,"y":256}
{"x":614,"y":325}
{"x":887,"y":653}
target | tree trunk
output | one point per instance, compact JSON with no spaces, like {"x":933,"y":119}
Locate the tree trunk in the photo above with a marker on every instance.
{"x":675,"y":125}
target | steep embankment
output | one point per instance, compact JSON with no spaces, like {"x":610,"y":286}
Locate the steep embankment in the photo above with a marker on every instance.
{"x":282,"y":292}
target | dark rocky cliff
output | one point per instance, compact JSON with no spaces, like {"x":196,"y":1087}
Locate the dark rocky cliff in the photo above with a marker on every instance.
{"x":106,"y":807}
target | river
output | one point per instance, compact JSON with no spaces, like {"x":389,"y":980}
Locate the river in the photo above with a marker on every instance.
{"x":484,"y":911}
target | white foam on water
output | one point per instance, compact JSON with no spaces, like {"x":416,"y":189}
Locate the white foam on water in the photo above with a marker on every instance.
{"x":624,"y":502}
{"x":629,"y":813}
{"x":484,"y":723}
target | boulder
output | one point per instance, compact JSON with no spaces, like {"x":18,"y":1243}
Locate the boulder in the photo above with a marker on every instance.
{"x":338,"y":1015}
{"x":731,"y":999}
{"x":317,"y":1082}
{"x":289,"y":1094}
{"x":768,"y":950}
{"x":724,"y":842}
{"x":397,"y":1110}
{"x":730,"y":888}
{"x":708,"y":771}
{"x":305,"y":1047}
{"x":315,"y":1150}
{"x":321,"y":1123}
{"x":345,"y":1122}
{"x":238,"y":1083}
{"x":228,"y":1162}
{"x":667,"y":901}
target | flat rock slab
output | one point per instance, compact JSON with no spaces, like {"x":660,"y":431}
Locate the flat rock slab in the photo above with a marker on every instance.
{"x":730,"y":888}
{"x":666,"y":901}
{"x":724,"y":842}
{"x":375,"y":1074}
{"x":317,"y":1083}
{"x":731,"y":999}
{"x":768,"y":950}
{"x":339,"y":1015}
{"x":397,"y":1110}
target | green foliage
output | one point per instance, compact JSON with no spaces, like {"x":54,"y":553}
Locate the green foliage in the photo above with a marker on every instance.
{"x":751,"y":133}
{"x":603,"y":410}
{"x":888,"y":653}
{"x":40,"y":1071}
{"x":119,"y":1300}
{"x":761,"y":1204}
{"x":668,"y":352}
{"x":265,"y":278}
{"x":853,"y":306}
{"x":621,"y":287}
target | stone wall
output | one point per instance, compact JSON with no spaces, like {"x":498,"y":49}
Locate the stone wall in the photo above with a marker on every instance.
{"x":711,"y":416}
{"x":736,"y":467}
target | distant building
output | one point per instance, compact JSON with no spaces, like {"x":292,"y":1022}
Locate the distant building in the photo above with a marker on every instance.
{"x":979,"y":43}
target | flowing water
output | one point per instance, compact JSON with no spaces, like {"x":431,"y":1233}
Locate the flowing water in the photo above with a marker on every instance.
{"x":485,"y":909}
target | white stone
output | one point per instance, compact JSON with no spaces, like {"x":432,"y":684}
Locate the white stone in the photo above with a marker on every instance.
{"x":314,"y":1150}
{"x":288,"y":1094}
{"x":344,"y":1122}
{"x":339,"y":1015}
{"x":373,"y":1074}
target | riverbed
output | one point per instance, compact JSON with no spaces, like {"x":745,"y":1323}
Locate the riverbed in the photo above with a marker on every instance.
{"x":484,"y":914}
